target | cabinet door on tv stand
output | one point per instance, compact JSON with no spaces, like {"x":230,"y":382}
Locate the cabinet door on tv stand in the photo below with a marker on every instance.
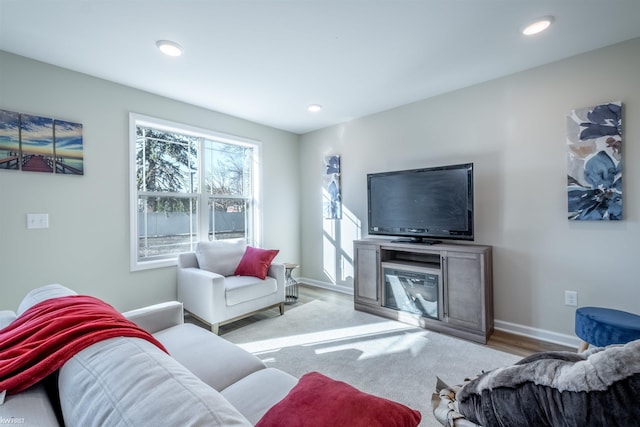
{"x":464,"y":290}
{"x":366,"y":281}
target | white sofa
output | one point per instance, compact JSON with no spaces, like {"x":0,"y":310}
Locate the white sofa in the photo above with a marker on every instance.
{"x":129,"y":381}
{"x":212,"y":293}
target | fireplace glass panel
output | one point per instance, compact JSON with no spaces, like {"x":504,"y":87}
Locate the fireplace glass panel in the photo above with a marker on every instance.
{"x":412,"y":291}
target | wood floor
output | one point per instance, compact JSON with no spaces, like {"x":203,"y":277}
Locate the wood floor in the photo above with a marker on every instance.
{"x":510,"y":343}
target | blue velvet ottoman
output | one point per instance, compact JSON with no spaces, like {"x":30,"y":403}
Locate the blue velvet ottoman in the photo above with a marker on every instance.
{"x":601,"y":327}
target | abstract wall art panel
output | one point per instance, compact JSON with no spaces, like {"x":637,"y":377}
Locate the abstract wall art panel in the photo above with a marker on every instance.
{"x":594,"y":159}
{"x":332,"y":202}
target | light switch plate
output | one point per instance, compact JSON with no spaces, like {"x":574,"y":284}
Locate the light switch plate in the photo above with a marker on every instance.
{"x":37,"y":220}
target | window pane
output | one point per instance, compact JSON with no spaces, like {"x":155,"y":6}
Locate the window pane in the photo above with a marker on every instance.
{"x":183,"y":177}
{"x":166,"y":226}
{"x":227,"y":168}
{"x":166,"y":161}
{"x":228,"y":219}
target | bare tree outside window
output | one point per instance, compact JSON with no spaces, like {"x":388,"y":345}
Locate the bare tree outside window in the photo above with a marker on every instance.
{"x":228,"y":180}
{"x":181,"y":177}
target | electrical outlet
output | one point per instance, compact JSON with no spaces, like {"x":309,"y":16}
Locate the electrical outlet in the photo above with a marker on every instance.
{"x":571,"y":298}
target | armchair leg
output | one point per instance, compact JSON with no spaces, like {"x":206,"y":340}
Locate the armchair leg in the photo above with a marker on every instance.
{"x":583,"y":346}
{"x":281,"y":308}
{"x":215,"y":328}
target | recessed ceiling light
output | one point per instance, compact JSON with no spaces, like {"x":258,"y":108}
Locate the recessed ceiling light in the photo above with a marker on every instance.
{"x":314,"y":108}
{"x":538,"y":26}
{"x":169,"y":48}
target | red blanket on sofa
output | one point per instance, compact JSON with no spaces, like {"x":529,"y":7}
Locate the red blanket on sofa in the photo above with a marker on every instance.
{"x":48,"y":334}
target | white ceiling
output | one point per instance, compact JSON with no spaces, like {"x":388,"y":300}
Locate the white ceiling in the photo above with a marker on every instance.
{"x":267,"y":60}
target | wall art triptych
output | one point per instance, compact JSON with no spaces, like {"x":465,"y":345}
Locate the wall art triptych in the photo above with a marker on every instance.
{"x":40,"y":144}
{"x":594,"y":181}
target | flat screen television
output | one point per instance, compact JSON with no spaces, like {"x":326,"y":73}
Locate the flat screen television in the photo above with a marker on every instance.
{"x":422,"y":205}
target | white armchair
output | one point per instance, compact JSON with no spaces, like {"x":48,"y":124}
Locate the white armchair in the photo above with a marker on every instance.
{"x":212,"y":293}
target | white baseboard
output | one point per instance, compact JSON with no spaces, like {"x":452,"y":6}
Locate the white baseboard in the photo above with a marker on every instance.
{"x":539,"y":334}
{"x":512,"y":328}
{"x":325,"y":285}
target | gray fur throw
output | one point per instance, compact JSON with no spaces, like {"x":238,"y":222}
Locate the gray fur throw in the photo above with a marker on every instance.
{"x":599,"y":387}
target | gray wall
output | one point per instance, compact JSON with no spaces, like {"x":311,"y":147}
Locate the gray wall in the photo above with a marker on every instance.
{"x":513,"y":129}
{"x":87,"y":244}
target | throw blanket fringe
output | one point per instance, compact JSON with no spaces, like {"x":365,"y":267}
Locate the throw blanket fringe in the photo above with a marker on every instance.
{"x":51,"y":332}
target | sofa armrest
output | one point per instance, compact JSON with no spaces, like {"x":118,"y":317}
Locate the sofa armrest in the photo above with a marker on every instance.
{"x":43,"y":293}
{"x":157,"y":317}
{"x":202,"y":293}
{"x":6,"y":317}
{"x":276,"y":271}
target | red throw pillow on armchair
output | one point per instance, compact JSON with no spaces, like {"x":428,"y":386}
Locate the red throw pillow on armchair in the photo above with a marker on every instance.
{"x":256,"y":262}
{"x":319,"y":401}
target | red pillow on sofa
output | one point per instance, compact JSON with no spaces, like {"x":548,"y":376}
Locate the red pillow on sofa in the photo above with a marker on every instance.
{"x":256,"y":262}
{"x":319,"y":401}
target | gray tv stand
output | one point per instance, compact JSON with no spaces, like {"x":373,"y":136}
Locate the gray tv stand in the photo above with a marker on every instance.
{"x":445,"y":287}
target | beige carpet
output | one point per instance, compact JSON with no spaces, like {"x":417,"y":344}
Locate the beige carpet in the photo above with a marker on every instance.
{"x":376,"y":355}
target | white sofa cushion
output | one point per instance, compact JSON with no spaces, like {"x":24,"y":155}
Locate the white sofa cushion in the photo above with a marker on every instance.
{"x":239,"y":289}
{"x":255,"y":394}
{"x":157,"y":317}
{"x":220,"y":256}
{"x":214,"y":360}
{"x":30,"y":407}
{"x":129,"y":381}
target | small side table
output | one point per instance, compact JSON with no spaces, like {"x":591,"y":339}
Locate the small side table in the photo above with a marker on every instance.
{"x":291,"y":286}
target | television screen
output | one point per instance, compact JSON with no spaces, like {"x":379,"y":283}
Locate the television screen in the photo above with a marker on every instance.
{"x":422,"y":203}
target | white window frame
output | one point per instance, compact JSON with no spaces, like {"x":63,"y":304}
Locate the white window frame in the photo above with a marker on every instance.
{"x":136,"y":120}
